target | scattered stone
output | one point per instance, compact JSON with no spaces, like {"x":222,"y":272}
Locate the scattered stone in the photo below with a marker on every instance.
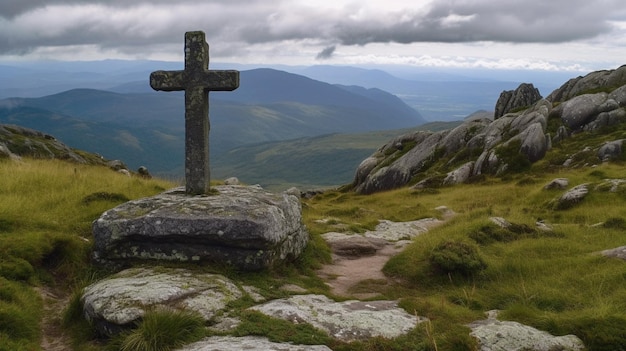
{"x":611,"y":185}
{"x":495,"y":335}
{"x":251,"y":343}
{"x":116,"y":165}
{"x":353,"y":245}
{"x":231,"y":181}
{"x":396,"y":231}
{"x":115,"y":303}
{"x":346,"y":321}
{"x":245,"y":227}
{"x":124,"y":172}
{"x":619,"y":252}
{"x":573,"y":196}
{"x":610,"y":150}
{"x":500,"y":222}
{"x":557,"y":183}
{"x":541,"y":225}
{"x":144,"y":173}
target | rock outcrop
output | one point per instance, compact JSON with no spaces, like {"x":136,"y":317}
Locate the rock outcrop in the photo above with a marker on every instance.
{"x":346,"y":321}
{"x":482,"y":140}
{"x":495,"y":335}
{"x":510,"y":143}
{"x":117,"y":302}
{"x":16,"y":141}
{"x":251,"y":343}
{"x":525,"y":95}
{"x":244,"y":227}
{"x":592,"y":81}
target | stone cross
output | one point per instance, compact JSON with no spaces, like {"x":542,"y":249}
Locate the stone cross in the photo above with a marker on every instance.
{"x":197,"y":81}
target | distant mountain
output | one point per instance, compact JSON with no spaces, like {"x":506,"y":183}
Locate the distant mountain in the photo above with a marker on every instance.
{"x":439,"y":96}
{"x":147,"y":128}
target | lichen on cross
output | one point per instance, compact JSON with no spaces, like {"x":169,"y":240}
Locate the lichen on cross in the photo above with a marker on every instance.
{"x":197,"y":81}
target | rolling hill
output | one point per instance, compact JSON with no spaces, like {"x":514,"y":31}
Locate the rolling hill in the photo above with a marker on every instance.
{"x":146,"y":128}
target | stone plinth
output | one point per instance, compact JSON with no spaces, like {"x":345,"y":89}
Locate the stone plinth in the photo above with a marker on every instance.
{"x":244,"y":227}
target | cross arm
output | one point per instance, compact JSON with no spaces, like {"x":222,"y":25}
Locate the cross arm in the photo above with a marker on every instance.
{"x":226,"y":80}
{"x":167,"y":80}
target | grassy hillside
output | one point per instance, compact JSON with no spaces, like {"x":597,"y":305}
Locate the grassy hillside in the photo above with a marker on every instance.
{"x":556,"y":281}
{"x":46,"y":210}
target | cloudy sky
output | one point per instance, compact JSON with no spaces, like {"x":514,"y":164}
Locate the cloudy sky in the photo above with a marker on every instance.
{"x":580,"y":35}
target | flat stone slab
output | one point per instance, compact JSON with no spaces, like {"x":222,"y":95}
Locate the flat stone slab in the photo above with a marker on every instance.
{"x":242,"y":226}
{"x":618,"y":252}
{"x":115,"y":303}
{"x":348,"y":320}
{"x":495,"y":335}
{"x":251,"y":343}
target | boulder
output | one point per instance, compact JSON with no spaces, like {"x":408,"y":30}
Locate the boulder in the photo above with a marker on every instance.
{"x":592,"y":81}
{"x":557,"y":183}
{"x":231,"y":181}
{"x":534,"y":142}
{"x":459,"y":175}
{"x":117,"y":302}
{"x":618,"y":252}
{"x":580,"y":110}
{"x":244,"y":227}
{"x":495,"y":335}
{"x":611,"y":150}
{"x":525,"y":95}
{"x":144,"y":172}
{"x":572,"y":196}
{"x":250,"y":343}
{"x":346,"y":321}
{"x":399,"y":173}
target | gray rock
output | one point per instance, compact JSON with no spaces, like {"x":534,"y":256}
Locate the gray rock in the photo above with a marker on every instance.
{"x":580,"y":110}
{"x":619,"y":95}
{"x":573,"y":196}
{"x":561,"y":134}
{"x":593,"y":80}
{"x":231,"y":181}
{"x":346,"y":321}
{"x":524,"y":95}
{"x":495,"y":335}
{"x":115,"y":303}
{"x":611,"y":150}
{"x":399,"y":173}
{"x":534,"y":142}
{"x":144,"y":172}
{"x":251,"y":343}
{"x":557,"y":183}
{"x":245,"y":227}
{"x":20,"y":141}
{"x":353,"y":246}
{"x":619,"y":252}
{"x":459,"y":175}
{"x":116,"y":165}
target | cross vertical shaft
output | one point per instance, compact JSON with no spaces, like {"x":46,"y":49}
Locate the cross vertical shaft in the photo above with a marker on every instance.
{"x":197,"y":81}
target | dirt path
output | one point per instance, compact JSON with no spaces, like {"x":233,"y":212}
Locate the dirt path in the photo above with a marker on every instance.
{"x":53,"y":336}
{"x":359,"y":258}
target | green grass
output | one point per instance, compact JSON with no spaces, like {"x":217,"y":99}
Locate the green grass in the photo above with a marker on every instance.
{"x":554,"y":281}
{"x":46,"y":210}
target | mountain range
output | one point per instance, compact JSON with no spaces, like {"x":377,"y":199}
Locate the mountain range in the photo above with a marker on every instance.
{"x":142,"y":127}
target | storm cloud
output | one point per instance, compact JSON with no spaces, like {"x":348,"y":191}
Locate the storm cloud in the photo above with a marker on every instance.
{"x":125,"y":26}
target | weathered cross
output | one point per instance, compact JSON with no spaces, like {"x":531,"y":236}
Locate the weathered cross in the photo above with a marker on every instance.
{"x":197,"y":81}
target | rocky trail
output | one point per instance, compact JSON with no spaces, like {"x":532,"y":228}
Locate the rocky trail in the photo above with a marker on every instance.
{"x":53,"y":337}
